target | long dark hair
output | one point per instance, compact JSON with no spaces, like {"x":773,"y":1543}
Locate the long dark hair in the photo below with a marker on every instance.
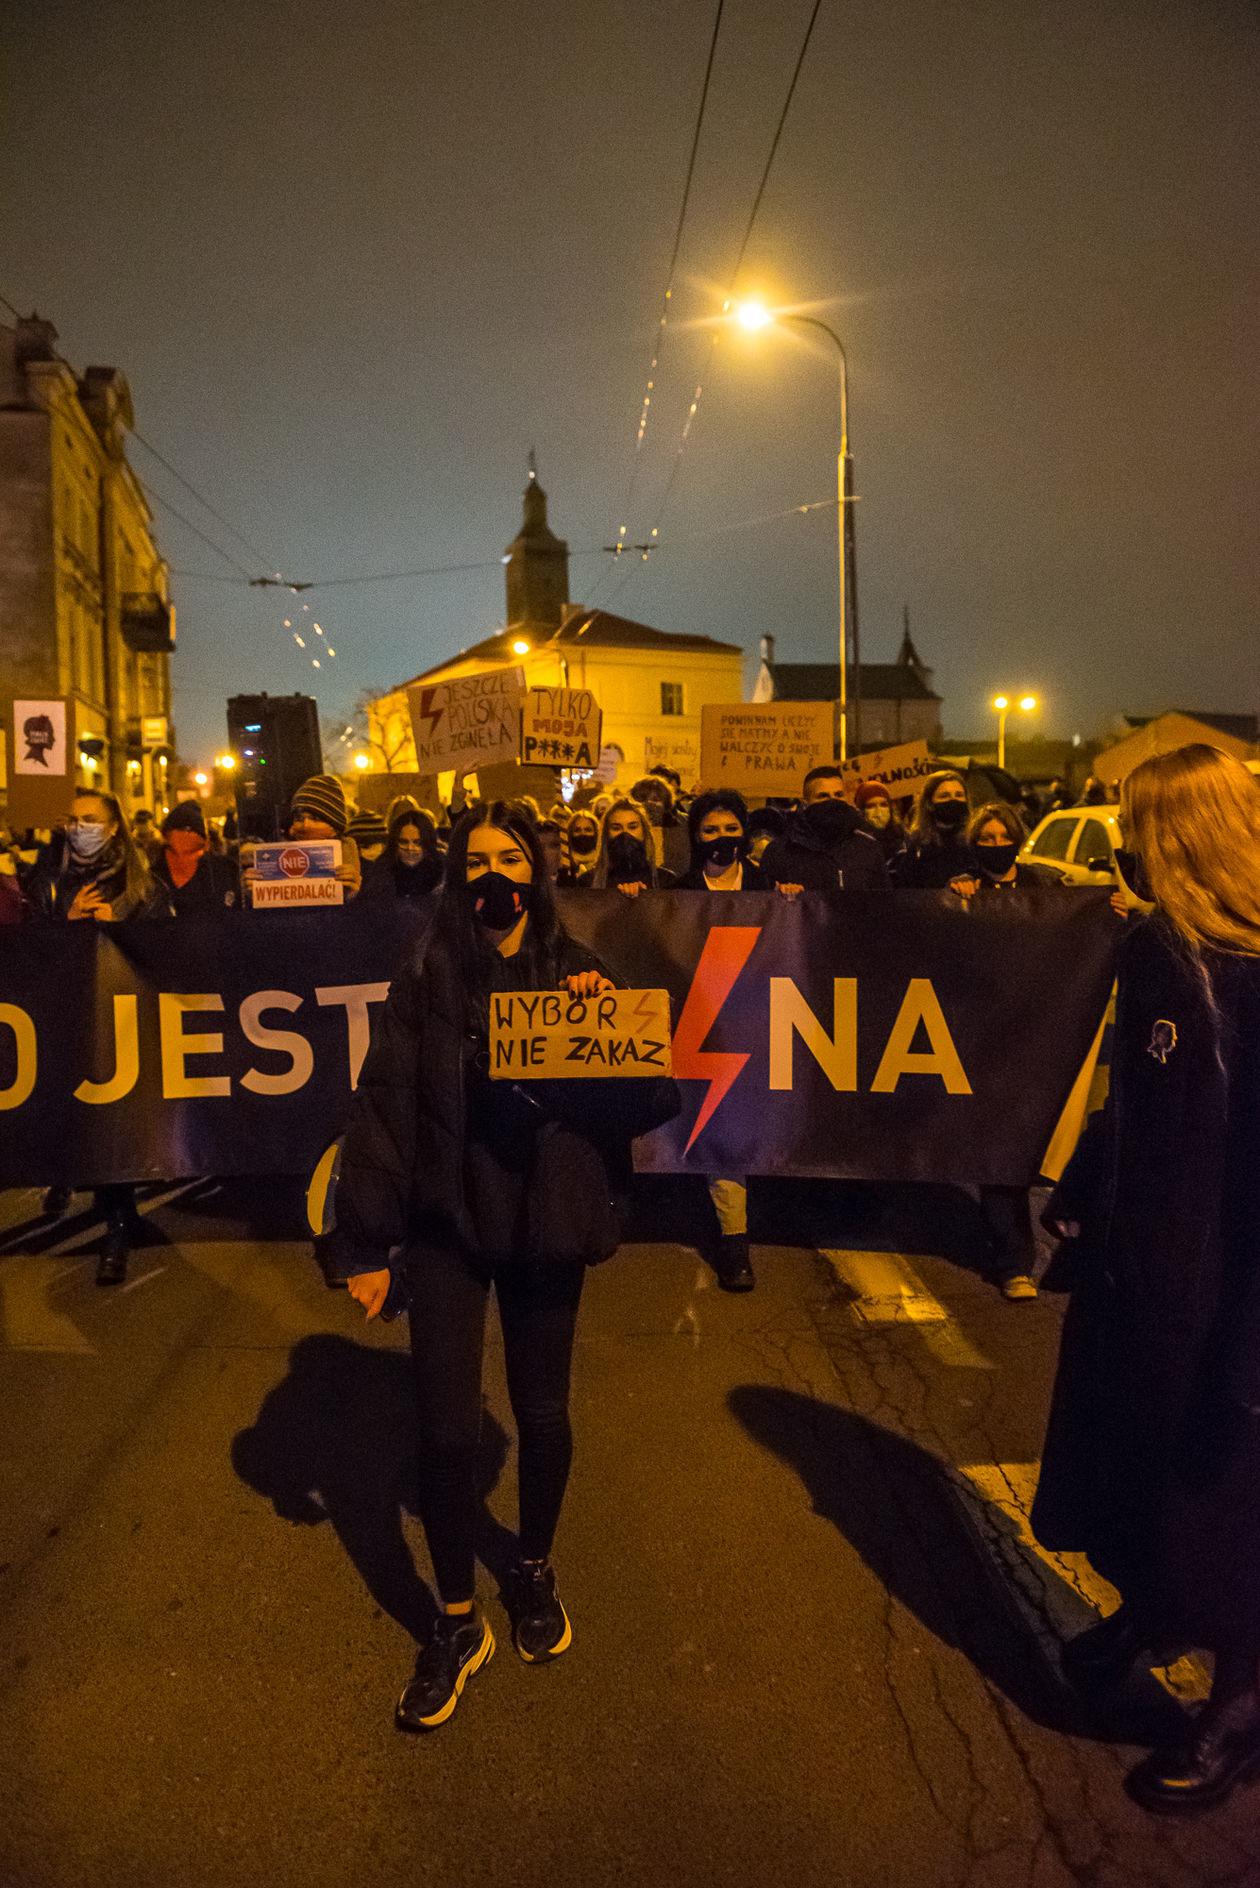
{"x":416,"y":816}
{"x":461,"y":935}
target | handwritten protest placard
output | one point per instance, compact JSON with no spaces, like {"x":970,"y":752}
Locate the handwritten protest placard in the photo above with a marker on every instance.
{"x":901,"y":769}
{"x":537,"y":1035}
{"x":679,"y":751}
{"x":764,"y":748}
{"x":560,"y":727}
{"x":465,"y":722}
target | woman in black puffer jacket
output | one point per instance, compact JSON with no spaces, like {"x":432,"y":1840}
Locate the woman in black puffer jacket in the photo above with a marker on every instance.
{"x":484,"y":1183}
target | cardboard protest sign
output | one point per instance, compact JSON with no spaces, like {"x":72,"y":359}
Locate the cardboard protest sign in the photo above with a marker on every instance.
{"x":39,"y":738}
{"x":293,"y":874}
{"x":901,"y":769}
{"x":38,"y":773}
{"x":764,"y":748}
{"x":681,"y":752}
{"x":469,"y":720}
{"x":543,"y":1035}
{"x":560,"y":727}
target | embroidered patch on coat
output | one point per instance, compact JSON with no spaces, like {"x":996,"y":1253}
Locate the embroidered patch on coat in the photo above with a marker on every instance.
{"x":1163,"y":1040}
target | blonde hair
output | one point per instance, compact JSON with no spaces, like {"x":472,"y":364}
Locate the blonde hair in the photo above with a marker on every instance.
{"x":1193,"y":818}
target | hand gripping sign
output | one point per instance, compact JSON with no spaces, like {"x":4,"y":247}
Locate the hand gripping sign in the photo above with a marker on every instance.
{"x":548,"y":1034}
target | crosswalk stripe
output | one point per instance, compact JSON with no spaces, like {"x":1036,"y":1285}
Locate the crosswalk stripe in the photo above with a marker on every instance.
{"x":886,"y":1289}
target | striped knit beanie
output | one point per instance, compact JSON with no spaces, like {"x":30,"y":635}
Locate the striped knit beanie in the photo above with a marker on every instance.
{"x":367,"y":828}
{"x":323,"y":798}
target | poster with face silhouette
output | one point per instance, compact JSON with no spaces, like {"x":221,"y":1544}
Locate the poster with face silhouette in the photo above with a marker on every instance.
{"x":39,"y":738}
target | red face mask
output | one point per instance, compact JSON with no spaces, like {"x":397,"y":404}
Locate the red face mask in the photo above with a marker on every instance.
{"x":183,"y":853}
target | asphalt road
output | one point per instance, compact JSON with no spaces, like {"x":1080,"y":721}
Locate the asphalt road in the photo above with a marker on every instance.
{"x":813,"y":1644}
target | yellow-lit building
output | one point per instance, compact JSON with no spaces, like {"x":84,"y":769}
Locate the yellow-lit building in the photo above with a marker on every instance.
{"x":651,"y":685}
{"x":84,"y":605}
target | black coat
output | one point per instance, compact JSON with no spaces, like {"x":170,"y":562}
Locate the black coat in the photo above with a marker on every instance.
{"x":1152,"y":1464}
{"x":930,"y":867}
{"x":854,"y":862}
{"x":58,"y":877}
{"x":404,"y":1164}
{"x":214,"y":886}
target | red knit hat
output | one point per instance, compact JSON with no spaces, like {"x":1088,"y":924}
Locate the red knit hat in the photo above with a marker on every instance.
{"x":868,"y":791}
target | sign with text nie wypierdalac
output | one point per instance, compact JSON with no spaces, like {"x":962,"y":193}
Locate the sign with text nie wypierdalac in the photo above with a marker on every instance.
{"x":467,"y":722}
{"x":548,"y":1033}
{"x":764,"y":748}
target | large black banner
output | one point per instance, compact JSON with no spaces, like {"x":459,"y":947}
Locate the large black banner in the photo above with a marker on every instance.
{"x":873,"y":1036}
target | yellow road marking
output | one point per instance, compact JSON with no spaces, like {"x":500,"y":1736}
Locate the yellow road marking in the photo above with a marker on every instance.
{"x":29,"y":1318}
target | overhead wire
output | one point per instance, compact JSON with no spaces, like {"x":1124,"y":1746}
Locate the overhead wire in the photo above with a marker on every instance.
{"x":734,"y":278}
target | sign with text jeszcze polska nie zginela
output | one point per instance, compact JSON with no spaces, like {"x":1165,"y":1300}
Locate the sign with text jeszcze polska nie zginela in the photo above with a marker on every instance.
{"x":547,"y":1034}
{"x":468,"y":722}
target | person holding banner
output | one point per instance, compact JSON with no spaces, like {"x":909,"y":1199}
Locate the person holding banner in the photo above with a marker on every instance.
{"x":95,"y":870}
{"x":627,"y":852}
{"x":1152,"y":1457}
{"x":197,"y":880}
{"x":874,"y":802}
{"x":460,"y":1182}
{"x":827,"y":846}
{"x":936,"y":850}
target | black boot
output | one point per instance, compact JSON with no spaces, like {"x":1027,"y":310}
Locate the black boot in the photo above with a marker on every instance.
{"x":1221,"y":1751}
{"x":111,"y":1267}
{"x":56,"y":1199}
{"x":734,"y":1273}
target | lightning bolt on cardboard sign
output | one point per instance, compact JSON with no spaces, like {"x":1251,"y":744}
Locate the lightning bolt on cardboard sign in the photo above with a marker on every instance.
{"x":548,"y":1034}
{"x":467,"y":723}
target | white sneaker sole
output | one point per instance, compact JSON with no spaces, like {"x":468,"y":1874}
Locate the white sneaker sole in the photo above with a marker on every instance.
{"x":482,"y":1656}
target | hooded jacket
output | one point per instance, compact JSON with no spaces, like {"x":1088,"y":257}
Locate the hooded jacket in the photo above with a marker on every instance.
{"x":851,"y":860}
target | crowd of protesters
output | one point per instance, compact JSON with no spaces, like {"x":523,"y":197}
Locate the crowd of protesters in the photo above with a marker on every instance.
{"x":1152,"y":1460}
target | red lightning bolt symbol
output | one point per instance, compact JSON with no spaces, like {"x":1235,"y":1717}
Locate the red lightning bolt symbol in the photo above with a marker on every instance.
{"x":433,"y":715}
{"x":726,"y":950}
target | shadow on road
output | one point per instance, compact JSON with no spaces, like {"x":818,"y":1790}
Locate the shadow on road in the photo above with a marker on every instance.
{"x":897,"y":1507}
{"x":335,"y":1441}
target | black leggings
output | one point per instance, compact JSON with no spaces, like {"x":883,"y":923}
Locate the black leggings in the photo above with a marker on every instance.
{"x":538,"y":1308}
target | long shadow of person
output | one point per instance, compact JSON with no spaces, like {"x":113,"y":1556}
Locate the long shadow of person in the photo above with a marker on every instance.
{"x":898,"y":1508}
{"x":335,"y":1441}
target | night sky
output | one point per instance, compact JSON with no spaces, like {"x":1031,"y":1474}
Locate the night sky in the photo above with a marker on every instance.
{"x":356,"y":260}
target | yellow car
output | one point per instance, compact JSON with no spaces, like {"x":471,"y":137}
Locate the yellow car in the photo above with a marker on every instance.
{"x":1078,"y":843}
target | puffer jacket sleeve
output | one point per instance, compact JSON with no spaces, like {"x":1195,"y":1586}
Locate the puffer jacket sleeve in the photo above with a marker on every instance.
{"x":373,"y":1197}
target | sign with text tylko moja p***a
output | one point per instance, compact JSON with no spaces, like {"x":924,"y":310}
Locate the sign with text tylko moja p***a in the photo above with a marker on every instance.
{"x":764,"y":748}
{"x":560,"y":727}
{"x":468,"y":722}
{"x":547,"y":1034}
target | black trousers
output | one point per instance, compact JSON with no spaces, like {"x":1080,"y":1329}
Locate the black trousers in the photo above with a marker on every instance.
{"x":538,"y":1307}
{"x":1008,"y":1223}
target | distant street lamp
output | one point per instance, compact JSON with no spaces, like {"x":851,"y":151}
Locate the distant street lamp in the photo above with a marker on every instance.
{"x":363,"y":762}
{"x":1003,"y":706}
{"x":754,"y":316}
{"x":227,"y":762}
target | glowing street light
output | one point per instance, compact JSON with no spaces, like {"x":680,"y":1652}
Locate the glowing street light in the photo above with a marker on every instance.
{"x":201,"y":780}
{"x":363,"y":762}
{"x":520,"y":648}
{"x":227,"y":762}
{"x":754,"y":316}
{"x":1003,"y":706}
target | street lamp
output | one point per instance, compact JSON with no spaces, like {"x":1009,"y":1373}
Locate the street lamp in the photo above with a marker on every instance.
{"x":754,"y":316}
{"x":1003,"y":706}
{"x":226,"y":762}
{"x":363,"y":762}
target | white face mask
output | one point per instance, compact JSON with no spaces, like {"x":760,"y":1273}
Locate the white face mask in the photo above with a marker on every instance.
{"x":87,"y":838}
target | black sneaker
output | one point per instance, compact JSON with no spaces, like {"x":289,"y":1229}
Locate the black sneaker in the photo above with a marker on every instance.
{"x":461,"y":1644}
{"x":541,"y":1626}
{"x":55,"y":1202}
{"x":111,"y":1266}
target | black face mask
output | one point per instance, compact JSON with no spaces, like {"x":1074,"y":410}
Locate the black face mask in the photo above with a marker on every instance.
{"x":1133,"y":873}
{"x":420,"y":877}
{"x":996,"y":861}
{"x":627,"y":860}
{"x":722,"y":852}
{"x":498,"y":901}
{"x":583,"y":844}
{"x":949,"y":814}
{"x":830,"y":820}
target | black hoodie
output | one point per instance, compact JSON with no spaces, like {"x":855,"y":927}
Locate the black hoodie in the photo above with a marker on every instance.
{"x":848,"y":858}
